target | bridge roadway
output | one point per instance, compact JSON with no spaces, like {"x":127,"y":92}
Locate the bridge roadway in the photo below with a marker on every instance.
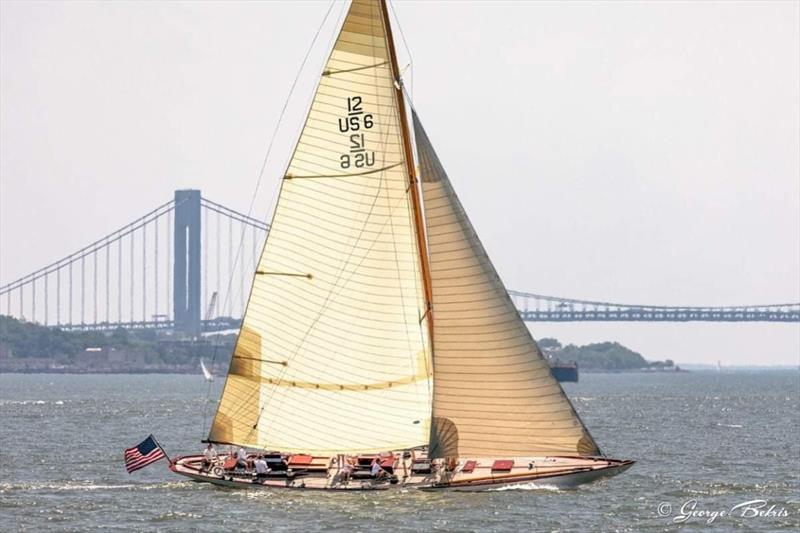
{"x":608,"y":313}
{"x":168,"y":269}
{"x":655,"y":314}
{"x":540,"y":308}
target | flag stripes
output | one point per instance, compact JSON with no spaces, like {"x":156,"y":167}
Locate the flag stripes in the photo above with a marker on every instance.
{"x":145,"y":453}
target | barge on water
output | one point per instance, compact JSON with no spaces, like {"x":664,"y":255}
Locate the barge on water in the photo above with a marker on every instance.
{"x":564,"y":372}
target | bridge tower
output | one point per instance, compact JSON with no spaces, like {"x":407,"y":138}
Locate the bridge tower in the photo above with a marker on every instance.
{"x":186,"y":274}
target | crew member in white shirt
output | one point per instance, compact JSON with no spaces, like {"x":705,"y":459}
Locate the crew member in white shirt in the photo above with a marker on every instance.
{"x":377,"y":470}
{"x":241,"y":458}
{"x":209,"y":456}
{"x":262,"y":470}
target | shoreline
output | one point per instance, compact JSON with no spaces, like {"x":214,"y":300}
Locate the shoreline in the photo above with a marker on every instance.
{"x":197,"y":372}
{"x":77,"y":370}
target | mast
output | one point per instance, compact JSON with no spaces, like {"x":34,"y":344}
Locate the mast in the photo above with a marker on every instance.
{"x":419,"y":222}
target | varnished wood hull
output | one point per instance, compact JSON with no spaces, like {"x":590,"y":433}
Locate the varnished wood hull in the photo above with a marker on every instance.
{"x":545,"y":472}
{"x":564,"y":480}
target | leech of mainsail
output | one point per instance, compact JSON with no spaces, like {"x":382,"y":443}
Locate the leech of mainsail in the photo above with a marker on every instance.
{"x":357,"y":374}
{"x":494,"y":394}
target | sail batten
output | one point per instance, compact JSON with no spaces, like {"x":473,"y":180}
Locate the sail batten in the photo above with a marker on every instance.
{"x":356,"y":373}
{"x":494,"y":394}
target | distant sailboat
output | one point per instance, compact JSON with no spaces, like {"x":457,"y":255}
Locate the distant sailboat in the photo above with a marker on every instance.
{"x":379,"y":348}
{"x":206,"y":373}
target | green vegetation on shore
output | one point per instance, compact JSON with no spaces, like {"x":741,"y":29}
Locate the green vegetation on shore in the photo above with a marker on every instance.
{"x":24,"y":343}
{"x":600,"y":356}
{"x":27,"y":341}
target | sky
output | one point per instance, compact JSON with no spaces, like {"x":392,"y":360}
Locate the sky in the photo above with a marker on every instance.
{"x":633,"y":152}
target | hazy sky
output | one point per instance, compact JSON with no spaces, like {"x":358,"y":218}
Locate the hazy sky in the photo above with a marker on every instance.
{"x":628,"y":152}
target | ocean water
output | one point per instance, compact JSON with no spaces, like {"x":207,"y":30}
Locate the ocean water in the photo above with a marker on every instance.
{"x":705,"y":442}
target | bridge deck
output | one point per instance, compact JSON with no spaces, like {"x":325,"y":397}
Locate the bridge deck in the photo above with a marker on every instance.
{"x":127,"y":279}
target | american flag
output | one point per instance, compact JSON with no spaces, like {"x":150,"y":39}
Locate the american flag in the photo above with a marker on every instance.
{"x":147,"y":452}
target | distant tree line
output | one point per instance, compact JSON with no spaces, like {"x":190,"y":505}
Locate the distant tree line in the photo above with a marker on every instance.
{"x":25,"y":340}
{"x":609,"y":356}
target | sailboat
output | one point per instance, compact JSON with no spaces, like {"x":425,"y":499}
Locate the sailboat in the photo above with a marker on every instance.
{"x":206,"y":374}
{"x":379,"y":348}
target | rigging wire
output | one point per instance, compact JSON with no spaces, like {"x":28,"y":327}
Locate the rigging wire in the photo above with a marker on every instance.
{"x":419,"y":326}
{"x":336,"y":288}
{"x":271,"y":143}
{"x":334,"y":291}
{"x":340,"y":272}
{"x":291,"y":155}
{"x":308,"y":105}
{"x":405,"y":45}
{"x":259,"y":180}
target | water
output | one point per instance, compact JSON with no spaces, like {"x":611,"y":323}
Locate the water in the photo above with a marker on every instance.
{"x":718,"y":438}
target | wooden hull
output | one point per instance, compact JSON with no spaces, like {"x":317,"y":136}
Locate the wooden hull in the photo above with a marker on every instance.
{"x":533,"y":472}
{"x":564,"y":480}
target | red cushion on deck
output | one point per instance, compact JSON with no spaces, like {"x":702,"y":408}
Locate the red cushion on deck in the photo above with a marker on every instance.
{"x":299,"y":460}
{"x":229,"y":463}
{"x":503,"y":465}
{"x":469,"y":466}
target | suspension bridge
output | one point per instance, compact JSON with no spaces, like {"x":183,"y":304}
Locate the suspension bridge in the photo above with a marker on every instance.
{"x":187,"y":266}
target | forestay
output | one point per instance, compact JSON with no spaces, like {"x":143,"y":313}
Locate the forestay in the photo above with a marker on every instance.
{"x":332,"y":355}
{"x":494,"y":394}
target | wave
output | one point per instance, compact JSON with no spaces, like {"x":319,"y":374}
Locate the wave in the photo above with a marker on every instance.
{"x":89,"y":486}
{"x":174,"y":515}
{"x":532,"y":485}
{"x":729,"y":425}
{"x":31,"y":402}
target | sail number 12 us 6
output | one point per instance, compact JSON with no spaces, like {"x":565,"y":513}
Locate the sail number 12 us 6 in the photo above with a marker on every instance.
{"x":356,"y":120}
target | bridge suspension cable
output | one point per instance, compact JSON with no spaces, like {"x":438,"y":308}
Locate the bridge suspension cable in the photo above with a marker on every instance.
{"x":159,"y":270}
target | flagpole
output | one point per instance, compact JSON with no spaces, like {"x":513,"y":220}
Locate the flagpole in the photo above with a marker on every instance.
{"x":171,"y":462}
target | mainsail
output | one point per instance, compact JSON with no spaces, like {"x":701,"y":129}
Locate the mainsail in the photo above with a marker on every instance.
{"x":333,"y":354}
{"x":494,"y":394}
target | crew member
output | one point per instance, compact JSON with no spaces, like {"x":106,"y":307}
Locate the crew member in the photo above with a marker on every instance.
{"x":377,"y":470}
{"x":209,"y":457}
{"x":262,"y":470}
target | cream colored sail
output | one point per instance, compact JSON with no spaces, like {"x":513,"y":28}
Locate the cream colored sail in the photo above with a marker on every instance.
{"x":332,"y":356}
{"x":494,"y":394}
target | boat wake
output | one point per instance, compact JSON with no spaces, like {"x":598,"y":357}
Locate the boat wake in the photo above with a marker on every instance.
{"x":730,"y":425}
{"x":528,"y":486}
